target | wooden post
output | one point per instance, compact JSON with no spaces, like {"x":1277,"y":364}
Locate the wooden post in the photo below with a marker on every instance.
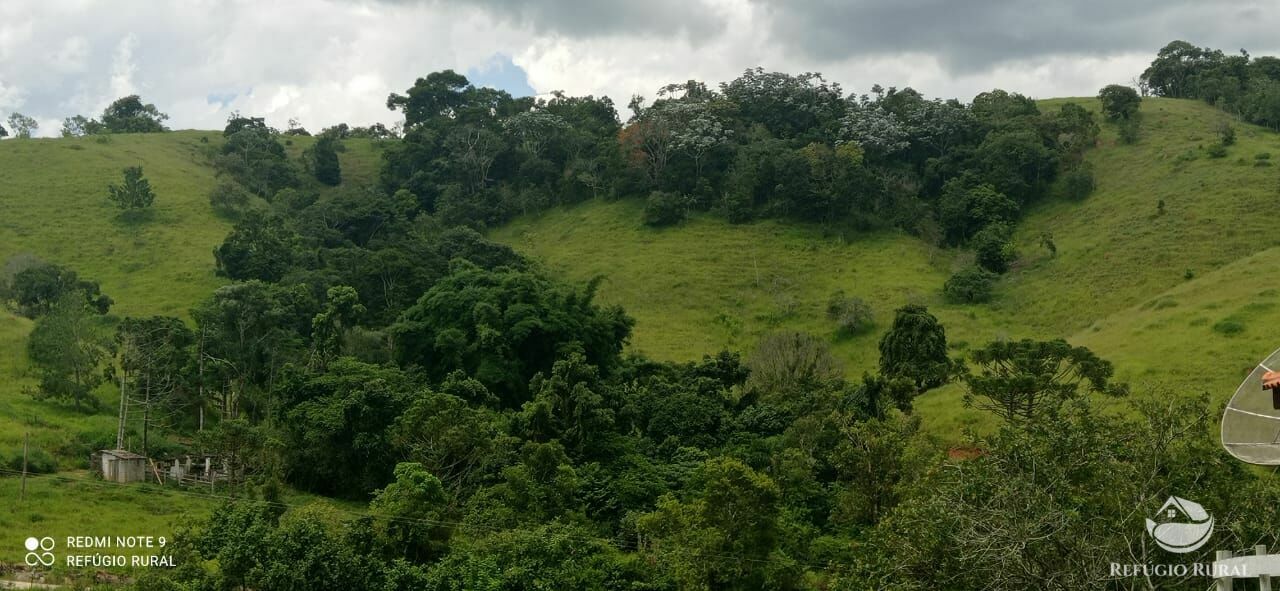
{"x":1264,"y":581}
{"x":1224,"y":583}
{"x":22,"y":492}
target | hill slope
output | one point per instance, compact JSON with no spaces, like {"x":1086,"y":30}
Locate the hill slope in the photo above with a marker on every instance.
{"x":53,"y":205}
{"x":1121,"y":266}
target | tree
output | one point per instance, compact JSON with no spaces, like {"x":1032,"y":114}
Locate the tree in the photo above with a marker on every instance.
{"x":967,"y":206}
{"x":37,"y":288}
{"x":22,"y":125}
{"x":130,"y":115}
{"x":662,"y":208}
{"x":258,"y":247}
{"x":993,"y":248}
{"x":134,"y":194}
{"x":969,"y":286}
{"x":80,"y":126}
{"x":342,"y":309}
{"x":68,"y":347}
{"x":724,"y":538}
{"x":409,"y":514}
{"x":784,"y":363}
{"x":567,"y":406}
{"x":1022,"y":381}
{"x":153,"y":355}
{"x":503,"y":326}
{"x":324,"y":161}
{"x":1119,"y":102}
{"x":915,"y":348}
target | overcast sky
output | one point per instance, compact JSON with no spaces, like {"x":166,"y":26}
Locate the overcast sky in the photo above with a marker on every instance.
{"x":330,"y":61}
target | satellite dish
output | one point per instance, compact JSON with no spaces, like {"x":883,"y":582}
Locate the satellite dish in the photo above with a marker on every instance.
{"x":1251,"y":423}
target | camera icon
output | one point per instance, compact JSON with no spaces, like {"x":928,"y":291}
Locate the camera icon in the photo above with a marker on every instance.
{"x":39,"y":551}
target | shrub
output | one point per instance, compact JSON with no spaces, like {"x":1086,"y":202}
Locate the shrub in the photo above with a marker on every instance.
{"x":852,"y":315}
{"x":38,"y":461}
{"x":1078,"y":182}
{"x":1228,"y":327}
{"x":1226,"y":133}
{"x":993,"y":248}
{"x":969,"y":286}
{"x":228,"y":199}
{"x":1128,"y":131}
{"x":1262,"y":156}
{"x":1218,"y":150}
{"x":664,"y":209}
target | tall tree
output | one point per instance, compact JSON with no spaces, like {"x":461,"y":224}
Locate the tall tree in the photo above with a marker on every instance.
{"x":68,"y":346}
{"x":915,"y":348}
{"x":130,"y":115}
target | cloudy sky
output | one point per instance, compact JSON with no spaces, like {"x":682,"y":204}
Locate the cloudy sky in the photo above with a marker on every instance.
{"x":329,"y":61}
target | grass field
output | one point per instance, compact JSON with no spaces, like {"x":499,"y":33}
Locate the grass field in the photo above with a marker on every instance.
{"x":1141,"y":285}
{"x":53,"y":205}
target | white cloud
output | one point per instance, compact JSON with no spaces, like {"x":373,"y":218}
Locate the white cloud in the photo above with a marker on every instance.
{"x":330,"y":61}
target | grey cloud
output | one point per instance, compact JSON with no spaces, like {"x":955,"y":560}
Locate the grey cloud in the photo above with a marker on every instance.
{"x":973,"y":35}
{"x":693,"y":19}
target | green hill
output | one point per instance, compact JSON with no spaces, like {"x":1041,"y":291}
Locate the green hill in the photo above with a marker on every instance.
{"x":53,"y":205}
{"x":1179,"y":297}
{"x":1140,"y":284}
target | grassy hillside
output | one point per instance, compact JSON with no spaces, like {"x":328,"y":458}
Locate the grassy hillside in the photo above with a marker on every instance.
{"x":53,"y":205}
{"x":1140,"y":286}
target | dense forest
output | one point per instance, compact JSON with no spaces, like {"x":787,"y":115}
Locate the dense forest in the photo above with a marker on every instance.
{"x":373,"y":346}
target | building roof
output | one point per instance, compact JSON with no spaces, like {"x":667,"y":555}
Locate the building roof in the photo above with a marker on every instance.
{"x":123,"y":454}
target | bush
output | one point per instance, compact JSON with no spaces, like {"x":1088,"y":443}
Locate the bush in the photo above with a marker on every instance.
{"x":852,"y":315}
{"x":1226,"y":133}
{"x":38,"y":461}
{"x":1218,"y":150}
{"x":1228,"y":327}
{"x":969,"y":286}
{"x":664,"y":209}
{"x":1128,"y":131}
{"x":1078,"y":182}
{"x":228,"y":199}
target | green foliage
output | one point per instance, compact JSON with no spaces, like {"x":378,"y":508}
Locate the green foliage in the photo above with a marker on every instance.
{"x":993,"y":248}
{"x":259,"y":247}
{"x":69,"y":347}
{"x":253,"y":156}
{"x":915,"y":348}
{"x":128,"y":115}
{"x":852,"y":315}
{"x":229,"y":200}
{"x":1217,"y":150}
{"x":35,"y":289}
{"x":1078,"y":183}
{"x":22,"y":125}
{"x":134,"y":193}
{"x":1119,"y":102}
{"x":970,"y":286}
{"x":1226,"y":133}
{"x":1128,"y":131}
{"x":725,"y":537}
{"x":965,"y":208}
{"x":37,"y":461}
{"x":1023,"y":381}
{"x":324,"y":161}
{"x":408,"y":514}
{"x":503,"y":326}
{"x":664,"y":209}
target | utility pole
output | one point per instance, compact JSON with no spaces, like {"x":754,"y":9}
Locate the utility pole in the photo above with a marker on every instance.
{"x":22,"y":492}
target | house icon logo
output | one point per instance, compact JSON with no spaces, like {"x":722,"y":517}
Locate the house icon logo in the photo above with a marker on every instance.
{"x":1181,"y":526}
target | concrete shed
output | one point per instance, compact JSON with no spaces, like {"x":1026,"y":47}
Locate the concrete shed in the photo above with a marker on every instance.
{"x":119,"y":465}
